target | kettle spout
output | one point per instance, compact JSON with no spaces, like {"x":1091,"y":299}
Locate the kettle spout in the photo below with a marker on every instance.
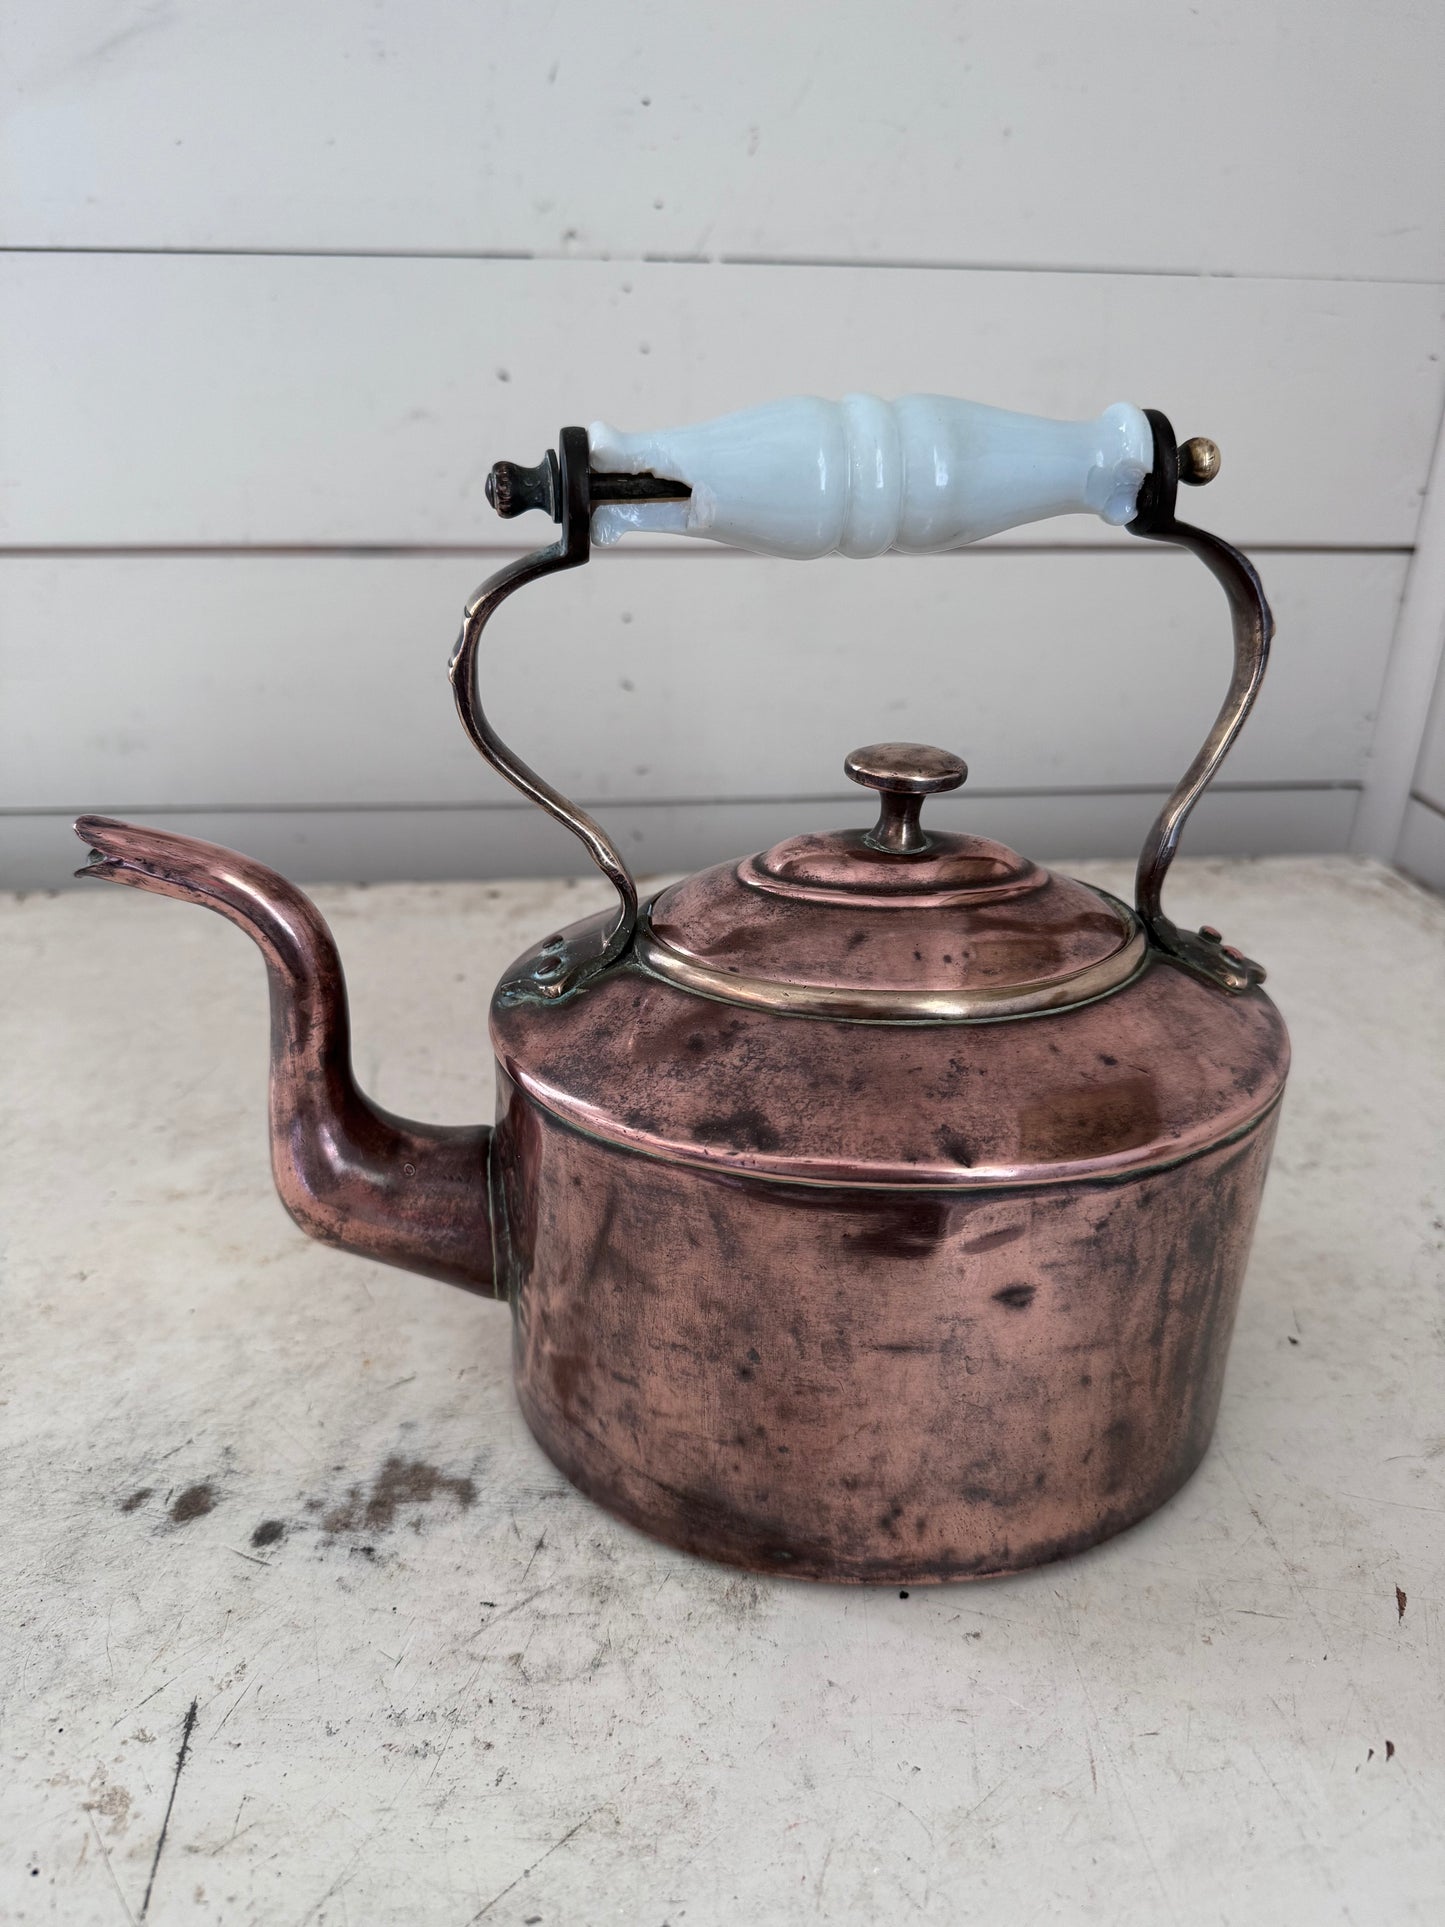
{"x":349,"y":1172}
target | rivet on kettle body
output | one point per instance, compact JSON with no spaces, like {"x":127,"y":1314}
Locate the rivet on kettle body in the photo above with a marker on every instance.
{"x":873,"y":1207}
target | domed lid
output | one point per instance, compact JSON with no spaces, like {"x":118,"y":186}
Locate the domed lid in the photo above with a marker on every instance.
{"x":896,"y":924}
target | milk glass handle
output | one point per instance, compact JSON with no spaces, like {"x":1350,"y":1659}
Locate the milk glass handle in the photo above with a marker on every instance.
{"x":857,"y":477}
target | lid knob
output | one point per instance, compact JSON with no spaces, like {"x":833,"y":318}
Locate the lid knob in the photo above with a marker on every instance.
{"x":903,"y":774}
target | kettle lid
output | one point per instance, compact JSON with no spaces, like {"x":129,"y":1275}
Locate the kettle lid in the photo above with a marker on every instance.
{"x":894,"y":924}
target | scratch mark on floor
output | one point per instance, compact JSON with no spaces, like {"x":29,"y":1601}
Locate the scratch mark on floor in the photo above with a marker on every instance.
{"x":1165,"y":1895}
{"x":185,"y":1747}
{"x":234,"y":1704}
{"x":1286,"y":1566}
{"x":927,"y":1830}
{"x":822,"y":1876}
{"x":533,"y":1560}
{"x":378,"y":1826}
{"x":236,"y":1823}
{"x":1405,"y":1505}
{"x":110,"y":1870}
{"x":516,"y":1606}
{"x":456,"y":1716}
{"x":527,"y":1872}
{"x":145,"y":1702}
{"x":982,"y":1801}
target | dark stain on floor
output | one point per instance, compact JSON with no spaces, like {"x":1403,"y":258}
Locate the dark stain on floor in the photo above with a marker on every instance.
{"x":269,"y":1532}
{"x":400,"y":1482}
{"x":137,"y":1499}
{"x":194,"y":1503}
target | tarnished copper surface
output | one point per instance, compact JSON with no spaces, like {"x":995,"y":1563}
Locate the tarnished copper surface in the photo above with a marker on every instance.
{"x":892,"y":1004}
{"x":349,"y":1172}
{"x":1159,"y":1070}
{"x":896,"y":924}
{"x":830,"y":911}
{"x":869,"y":1385}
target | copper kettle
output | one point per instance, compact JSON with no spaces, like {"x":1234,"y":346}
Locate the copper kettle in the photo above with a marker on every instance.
{"x":874,"y":1208}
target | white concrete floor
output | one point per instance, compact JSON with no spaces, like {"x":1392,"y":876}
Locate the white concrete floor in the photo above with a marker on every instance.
{"x":290,"y":1490}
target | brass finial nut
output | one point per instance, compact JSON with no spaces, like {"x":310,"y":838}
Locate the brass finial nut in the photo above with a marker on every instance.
{"x":1198,"y":460}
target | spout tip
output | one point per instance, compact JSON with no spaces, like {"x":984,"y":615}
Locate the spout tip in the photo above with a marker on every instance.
{"x":168,"y":864}
{"x":146,"y":859}
{"x":92,"y":830}
{"x":100,"y":832}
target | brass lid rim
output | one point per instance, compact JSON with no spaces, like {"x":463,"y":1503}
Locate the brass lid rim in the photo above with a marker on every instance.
{"x":865,"y":1004}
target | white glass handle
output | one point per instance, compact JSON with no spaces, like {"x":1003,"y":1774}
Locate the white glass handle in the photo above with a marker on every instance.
{"x":860,"y":476}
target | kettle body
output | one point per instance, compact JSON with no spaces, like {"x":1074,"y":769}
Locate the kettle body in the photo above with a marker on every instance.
{"x":766,"y":1311}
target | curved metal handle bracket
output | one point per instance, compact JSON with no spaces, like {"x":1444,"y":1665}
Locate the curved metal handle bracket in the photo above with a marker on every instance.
{"x":559,"y":484}
{"x":567,"y":488}
{"x":1201,"y":951}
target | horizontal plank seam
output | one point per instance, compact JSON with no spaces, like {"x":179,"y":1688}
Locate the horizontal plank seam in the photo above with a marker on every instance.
{"x":1428,"y":803}
{"x":1304,"y":786}
{"x":885,"y":263}
{"x":682,"y":550}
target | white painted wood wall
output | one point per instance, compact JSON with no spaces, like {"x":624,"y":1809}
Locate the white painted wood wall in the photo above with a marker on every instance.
{"x":281,"y":280}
